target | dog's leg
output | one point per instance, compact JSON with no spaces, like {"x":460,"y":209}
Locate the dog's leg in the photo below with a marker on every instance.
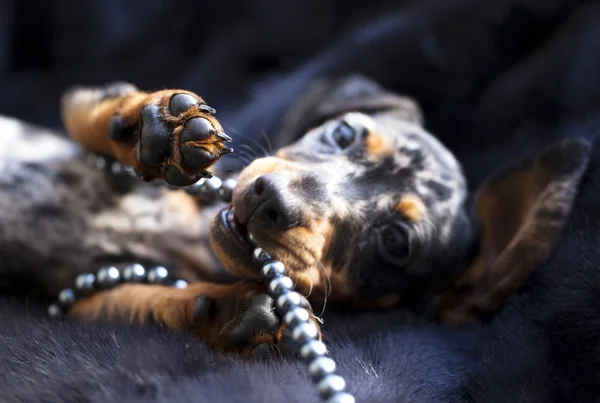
{"x":236,"y":317}
{"x":168,"y":134}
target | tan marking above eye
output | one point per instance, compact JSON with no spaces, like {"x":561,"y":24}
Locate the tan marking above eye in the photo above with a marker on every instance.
{"x":377,"y":145}
{"x":411,"y":207}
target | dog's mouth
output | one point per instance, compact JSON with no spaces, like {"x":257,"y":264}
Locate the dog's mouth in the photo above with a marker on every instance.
{"x":236,"y":231}
{"x":229,"y":239}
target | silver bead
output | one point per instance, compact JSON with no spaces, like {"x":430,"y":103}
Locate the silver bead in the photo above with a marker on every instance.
{"x":55,"y":311}
{"x":272,"y":270}
{"x":305,"y":332}
{"x":134,"y":273}
{"x":84,"y":283}
{"x":252,"y":240}
{"x":108,"y":277}
{"x":341,"y":397}
{"x":312,"y":350}
{"x":288,"y":301}
{"x":116,"y":168}
{"x":321,"y":367}
{"x":90,"y":159}
{"x":100,"y":162}
{"x":207,"y":190}
{"x":261,"y":256}
{"x":280,"y":285}
{"x":195,"y":188}
{"x":213,"y":184}
{"x":158,"y":275}
{"x":130,"y":171}
{"x":296,"y":316}
{"x":330,"y":385}
{"x":180,"y":284}
{"x":225,"y":191}
{"x":66,"y":297}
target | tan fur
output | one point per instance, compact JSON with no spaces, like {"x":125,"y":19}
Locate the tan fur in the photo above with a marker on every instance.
{"x":523,"y":214}
{"x":377,"y":146}
{"x":168,"y":306}
{"x":412,"y":207}
{"x":174,"y":308}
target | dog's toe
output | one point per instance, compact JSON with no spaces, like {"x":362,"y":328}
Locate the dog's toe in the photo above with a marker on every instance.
{"x":257,"y":316}
{"x":196,"y":132}
{"x":181,"y":103}
{"x":259,"y":329}
{"x":174,"y":177}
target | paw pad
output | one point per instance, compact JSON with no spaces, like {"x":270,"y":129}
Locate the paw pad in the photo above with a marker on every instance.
{"x":155,"y":137}
{"x":181,"y":103}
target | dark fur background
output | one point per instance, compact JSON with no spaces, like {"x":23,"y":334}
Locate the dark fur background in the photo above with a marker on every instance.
{"x":498,"y":79}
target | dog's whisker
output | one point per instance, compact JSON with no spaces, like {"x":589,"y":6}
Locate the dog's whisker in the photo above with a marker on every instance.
{"x":250,"y":149}
{"x":261,"y":148}
{"x":429,"y":225}
{"x":245,"y":158}
{"x":310,"y":289}
{"x":269,"y":145}
{"x":327,"y":292}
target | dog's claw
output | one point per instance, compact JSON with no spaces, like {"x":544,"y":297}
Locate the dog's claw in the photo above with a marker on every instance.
{"x":224,"y":137}
{"x":206,"y":108}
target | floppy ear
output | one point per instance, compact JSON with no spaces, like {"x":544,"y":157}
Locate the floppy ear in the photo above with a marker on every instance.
{"x":522,"y":212}
{"x":327,"y":98}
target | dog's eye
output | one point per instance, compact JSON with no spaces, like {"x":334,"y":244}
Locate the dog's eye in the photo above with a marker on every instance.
{"x":343,"y":135}
{"x":394,"y":245}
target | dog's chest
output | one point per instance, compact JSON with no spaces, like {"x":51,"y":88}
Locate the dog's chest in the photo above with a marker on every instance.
{"x":157,"y":225}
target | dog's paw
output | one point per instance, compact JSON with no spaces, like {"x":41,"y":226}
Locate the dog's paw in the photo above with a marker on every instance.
{"x":169,"y":134}
{"x":179,"y":136}
{"x":250,"y":324}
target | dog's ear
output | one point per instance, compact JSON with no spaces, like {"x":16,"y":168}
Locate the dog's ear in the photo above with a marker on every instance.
{"x":522,"y":212}
{"x":327,"y":98}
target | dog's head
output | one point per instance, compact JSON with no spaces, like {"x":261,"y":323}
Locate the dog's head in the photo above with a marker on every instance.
{"x":366,"y":200}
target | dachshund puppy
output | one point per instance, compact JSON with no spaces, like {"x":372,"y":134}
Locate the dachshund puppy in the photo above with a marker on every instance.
{"x":365,"y":208}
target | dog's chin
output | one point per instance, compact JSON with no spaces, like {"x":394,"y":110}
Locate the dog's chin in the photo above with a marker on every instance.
{"x":229,"y":240}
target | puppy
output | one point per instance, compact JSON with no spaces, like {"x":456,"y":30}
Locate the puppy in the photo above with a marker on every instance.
{"x":364,"y":207}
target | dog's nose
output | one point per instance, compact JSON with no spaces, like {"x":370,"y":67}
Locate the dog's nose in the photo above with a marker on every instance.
{"x":273,"y":205}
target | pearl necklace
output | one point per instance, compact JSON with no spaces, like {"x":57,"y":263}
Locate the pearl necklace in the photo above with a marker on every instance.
{"x":313,"y":352}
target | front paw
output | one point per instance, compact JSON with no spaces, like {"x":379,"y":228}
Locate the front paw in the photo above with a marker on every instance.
{"x":252,"y":325}
{"x":180,"y":137}
{"x":169,"y":134}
